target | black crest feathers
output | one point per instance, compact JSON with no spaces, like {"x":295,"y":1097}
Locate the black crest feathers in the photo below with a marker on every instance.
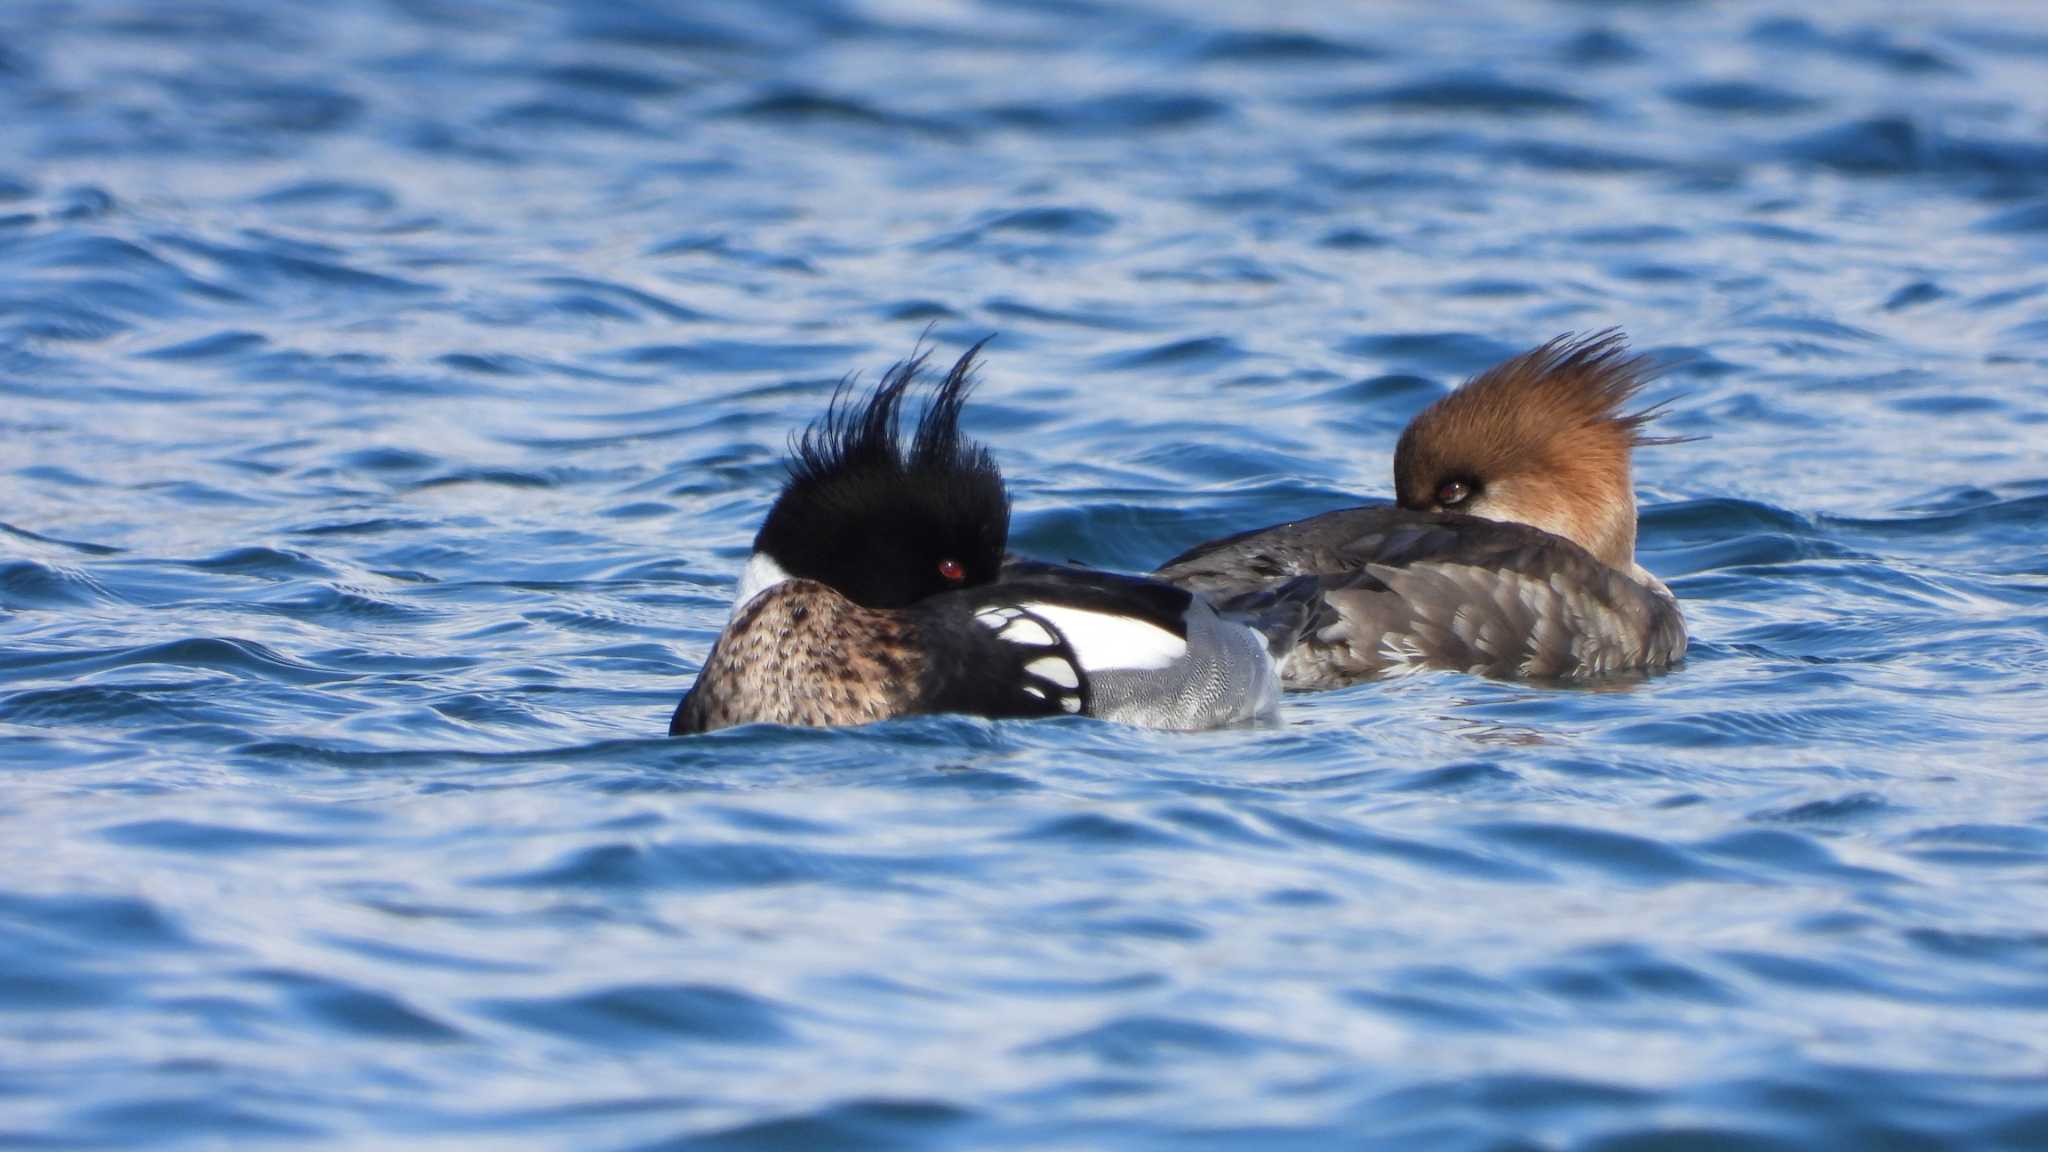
{"x":863,"y":435}
{"x":885,"y":514}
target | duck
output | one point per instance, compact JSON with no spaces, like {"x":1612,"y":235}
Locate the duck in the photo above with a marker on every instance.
{"x":1508,"y":550}
{"x":880,"y":586}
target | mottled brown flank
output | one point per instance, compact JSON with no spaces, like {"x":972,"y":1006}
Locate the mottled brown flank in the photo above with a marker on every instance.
{"x":800,"y":653}
{"x":1545,"y":441}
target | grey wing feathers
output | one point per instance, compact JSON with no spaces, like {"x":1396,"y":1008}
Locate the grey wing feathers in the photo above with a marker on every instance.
{"x":1400,"y":591}
{"x":1344,"y":542}
{"x":1282,"y":612}
{"x":1225,"y":676}
{"x":1495,"y":623}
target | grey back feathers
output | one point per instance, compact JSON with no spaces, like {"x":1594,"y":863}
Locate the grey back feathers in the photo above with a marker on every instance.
{"x":1401,"y":591}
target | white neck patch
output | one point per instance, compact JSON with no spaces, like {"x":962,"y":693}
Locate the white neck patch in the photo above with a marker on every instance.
{"x":760,"y":574}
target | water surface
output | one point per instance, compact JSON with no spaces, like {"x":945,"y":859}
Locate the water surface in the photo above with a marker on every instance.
{"x":389,"y":393}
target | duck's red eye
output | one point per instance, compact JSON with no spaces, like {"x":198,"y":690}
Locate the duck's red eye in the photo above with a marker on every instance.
{"x":951,"y":570}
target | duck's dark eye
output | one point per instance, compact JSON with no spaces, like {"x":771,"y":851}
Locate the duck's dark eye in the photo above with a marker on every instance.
{"x":951,"y":571}
{"x":1453,"y":493}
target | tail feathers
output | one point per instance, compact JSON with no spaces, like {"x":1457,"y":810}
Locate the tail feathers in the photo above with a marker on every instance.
{"x":1284,"y":613}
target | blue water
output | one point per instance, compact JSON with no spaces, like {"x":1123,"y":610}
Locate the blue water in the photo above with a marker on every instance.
{"x":389,"y":392}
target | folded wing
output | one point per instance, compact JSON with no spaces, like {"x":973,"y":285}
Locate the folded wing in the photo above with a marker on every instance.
{"x":1401,"y":591}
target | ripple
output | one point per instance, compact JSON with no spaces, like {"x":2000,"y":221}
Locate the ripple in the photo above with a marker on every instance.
{"x":44,"y":318}
{"x":574,"y":115}
{"x":207,"y":839}
{"x":714,"y":865}
{"x":1096,"y":831}
{"x":26,"y":584}
{"x":1052,"y":221}
{"x":1141,"y":111}
{"x":1791,"y":852}
{"x":132,"y":922}
{"x":1805,"y":974}
{"x":1281,"y":48}
{"x":1206,"y":351}
{"x":405,"y":957}
{"x":1851,"y":808}
{"x":2027,"y":218}
{"x":650,"y":1014}
{"x":727,"y":249}
{"x":219,"y":346}
{"x":1898,"y":145}
{"x":1454,"y":353}
{"x":1038,"y":230}
{"x":1601,"y":47}
{"x":1422,"y":854}
{"x":28,"y":991}
{"x":1612,"y":974}
{"x":1473,"y":92}
{"x":1618,"y":855}
{"x":1156,"y":1041}
{"x":1459,"y":778}
{"x":194,"y":1117}
{"x":1913,"y":295}
{"x":600,"y":297}
{"x":341,"y":606}
{"x":613,"y":78}
{"x":1446,"y":1014}
{"x":1740,"y":96}
{"x":2022,"y":515}
{"x":1353,"y":239}
{"x":739,"y":356}
{"x":806,"y":106}
{"x":329,"y":194}
{"x":1865,"y":45}
{"x":276,"y":265}
{"x":1981,"y":845}
{"x":1692,"y":1138}
{"x":277,"y":563}
{"x":357,"y":1011}
{"x":1107,"y":318}
{"x":220,"y":654}
{"x":1721,"y":516}
{"x":855,"y":1124}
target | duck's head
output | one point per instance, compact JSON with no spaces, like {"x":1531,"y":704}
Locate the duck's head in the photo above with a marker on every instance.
{"x":1541,"y":439}
{"x":883,"y":522}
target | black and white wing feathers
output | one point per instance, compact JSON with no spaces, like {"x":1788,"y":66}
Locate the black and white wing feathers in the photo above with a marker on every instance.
{"x":1124,"y":648}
